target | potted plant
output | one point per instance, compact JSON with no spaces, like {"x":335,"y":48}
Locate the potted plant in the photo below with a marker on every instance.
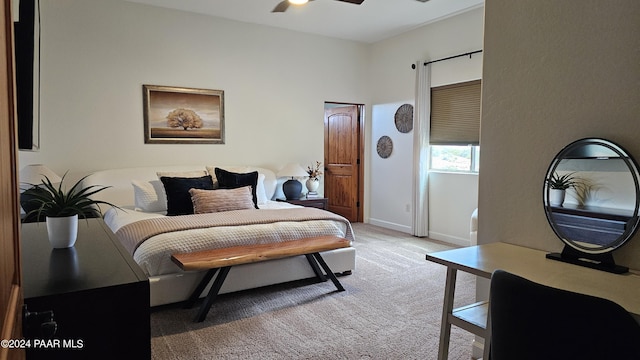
{"x":62,"y":208}
{"x":558,"y":185}
{"x":314,"y":177}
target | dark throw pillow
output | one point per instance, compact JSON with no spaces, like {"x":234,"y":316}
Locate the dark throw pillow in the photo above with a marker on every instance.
{"x":231,"y":180}
{"x":177,"y":190}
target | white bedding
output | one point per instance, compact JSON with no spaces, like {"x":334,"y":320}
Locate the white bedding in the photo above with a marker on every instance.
{"x":154,"y":254}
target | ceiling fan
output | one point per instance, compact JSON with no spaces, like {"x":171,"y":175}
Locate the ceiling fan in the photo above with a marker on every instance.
{"x":284,"y":4}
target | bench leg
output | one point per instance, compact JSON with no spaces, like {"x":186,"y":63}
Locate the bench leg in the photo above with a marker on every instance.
{"x":330,"y":273}
{"x":213,"y":292}
{"x":315,"y":267}
{"x":195,"y":295}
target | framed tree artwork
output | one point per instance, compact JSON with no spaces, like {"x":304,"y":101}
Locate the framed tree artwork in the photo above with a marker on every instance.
{"x":176,"y":115}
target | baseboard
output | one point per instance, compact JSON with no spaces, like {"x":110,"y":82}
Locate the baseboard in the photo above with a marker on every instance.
{"x":449,"y":239}
{"x":390,"y":225}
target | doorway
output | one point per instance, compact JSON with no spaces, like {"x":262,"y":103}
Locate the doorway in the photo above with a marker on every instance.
{"x":344,"y":159}
{"x":11,"y":298}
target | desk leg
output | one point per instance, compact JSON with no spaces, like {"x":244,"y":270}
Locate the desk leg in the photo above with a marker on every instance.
{"x":447,"y":310}
{"x":486,"y":355}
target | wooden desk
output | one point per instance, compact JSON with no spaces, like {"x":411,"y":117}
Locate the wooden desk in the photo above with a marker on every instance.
{"x":483,"y":260}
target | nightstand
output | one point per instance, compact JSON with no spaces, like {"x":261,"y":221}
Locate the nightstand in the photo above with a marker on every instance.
{"x":98,"y":295}
{"x":320,"y":203}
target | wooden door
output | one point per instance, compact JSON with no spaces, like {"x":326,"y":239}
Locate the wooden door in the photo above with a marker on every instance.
{"x":342,"y":150}
{"x":10,"y":277}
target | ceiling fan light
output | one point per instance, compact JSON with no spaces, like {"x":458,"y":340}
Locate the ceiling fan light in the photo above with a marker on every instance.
{"x":298,"y":2}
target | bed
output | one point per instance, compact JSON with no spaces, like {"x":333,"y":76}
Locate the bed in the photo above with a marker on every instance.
{"x":151,"y":236}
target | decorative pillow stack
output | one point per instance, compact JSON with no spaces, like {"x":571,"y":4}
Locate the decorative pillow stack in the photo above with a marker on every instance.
{"x":184,"y":193}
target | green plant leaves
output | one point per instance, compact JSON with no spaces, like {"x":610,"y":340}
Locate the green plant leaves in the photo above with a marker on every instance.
{"x":55,"y":202}
{"x":562,"y":182}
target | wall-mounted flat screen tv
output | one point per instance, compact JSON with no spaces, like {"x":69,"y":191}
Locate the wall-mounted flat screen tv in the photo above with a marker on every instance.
{"x":27,"y":57}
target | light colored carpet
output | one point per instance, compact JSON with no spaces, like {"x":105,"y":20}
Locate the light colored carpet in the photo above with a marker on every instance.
{"x":391,"y":309}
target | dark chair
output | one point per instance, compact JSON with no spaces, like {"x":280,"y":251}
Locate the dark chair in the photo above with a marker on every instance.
{"x":533,"y":321}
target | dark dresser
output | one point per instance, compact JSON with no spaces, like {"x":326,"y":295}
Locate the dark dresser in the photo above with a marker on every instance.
{"x":320,"y":203}
{"x":98,"y":295}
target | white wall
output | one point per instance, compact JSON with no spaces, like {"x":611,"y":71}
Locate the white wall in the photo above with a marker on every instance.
{"x":554,"y":72}
{"x":452,"y":196}
{"x":97,"y":54}
{"x":452,"y":199}
{"x":391,"y":198}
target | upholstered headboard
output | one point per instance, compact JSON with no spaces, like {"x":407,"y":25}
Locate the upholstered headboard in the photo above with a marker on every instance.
{"x":121,"y":190}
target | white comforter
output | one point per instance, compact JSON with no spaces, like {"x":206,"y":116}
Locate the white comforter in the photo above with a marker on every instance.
{"x":154,"y":255}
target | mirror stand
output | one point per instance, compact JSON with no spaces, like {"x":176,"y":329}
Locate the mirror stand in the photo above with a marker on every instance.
{"x":602,"y":262}
{"x":603,"y":214}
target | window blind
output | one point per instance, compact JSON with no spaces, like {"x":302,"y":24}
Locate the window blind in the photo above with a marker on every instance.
{"x":455,"y":114}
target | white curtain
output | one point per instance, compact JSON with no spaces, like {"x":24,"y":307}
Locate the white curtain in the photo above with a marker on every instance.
{"x":422,"y":112}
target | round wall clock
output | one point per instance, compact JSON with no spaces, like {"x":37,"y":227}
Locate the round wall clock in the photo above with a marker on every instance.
{"x":385,"y":146}
{"x":404,"y":118}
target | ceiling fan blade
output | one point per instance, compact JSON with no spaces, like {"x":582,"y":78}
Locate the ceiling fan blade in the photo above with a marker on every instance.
{"x":423,"y":0}
{"x":281,"y":7}
{"x":357,"y":2}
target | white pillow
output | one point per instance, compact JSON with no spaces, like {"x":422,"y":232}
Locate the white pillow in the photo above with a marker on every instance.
{"x":149,"y":196}
{"x":261,"y":195}
{"x":184,"y":174}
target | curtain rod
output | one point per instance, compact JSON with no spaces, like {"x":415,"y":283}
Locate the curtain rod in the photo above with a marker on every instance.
{"x":413,"y":66}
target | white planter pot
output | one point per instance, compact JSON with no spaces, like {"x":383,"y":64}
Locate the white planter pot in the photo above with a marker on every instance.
{"x":63,"y":231}
{"x":312,"y":184}
{"x":556,"y":197}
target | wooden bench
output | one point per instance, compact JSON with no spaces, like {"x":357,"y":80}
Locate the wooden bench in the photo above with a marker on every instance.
{"x":225,"y":258}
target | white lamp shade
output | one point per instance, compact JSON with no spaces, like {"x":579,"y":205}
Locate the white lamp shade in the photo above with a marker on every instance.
{"x":34,"y":174}
{"x":292,"y":170}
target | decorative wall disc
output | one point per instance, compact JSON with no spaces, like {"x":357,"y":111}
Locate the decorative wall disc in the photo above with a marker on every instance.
{"x":404,"y":118}
{"x":385,"y":146}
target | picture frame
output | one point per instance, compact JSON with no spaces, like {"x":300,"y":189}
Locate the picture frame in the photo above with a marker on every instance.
{"x":179,"y":115}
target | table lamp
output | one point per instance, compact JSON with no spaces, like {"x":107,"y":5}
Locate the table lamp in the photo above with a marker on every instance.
{"x":34,"y":174}
{"x":292,"y":188}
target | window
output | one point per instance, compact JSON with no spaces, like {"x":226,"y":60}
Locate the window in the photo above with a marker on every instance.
{"x":455,"y":127}
{"x":455,"y":158}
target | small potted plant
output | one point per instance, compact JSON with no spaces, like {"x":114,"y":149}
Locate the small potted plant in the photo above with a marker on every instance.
{"x":62,"y":208}
{"x":314,"y":176}
{"x":558,"y":185}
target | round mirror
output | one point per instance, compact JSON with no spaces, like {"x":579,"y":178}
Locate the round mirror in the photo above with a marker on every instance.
{"x":591,"y":199}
